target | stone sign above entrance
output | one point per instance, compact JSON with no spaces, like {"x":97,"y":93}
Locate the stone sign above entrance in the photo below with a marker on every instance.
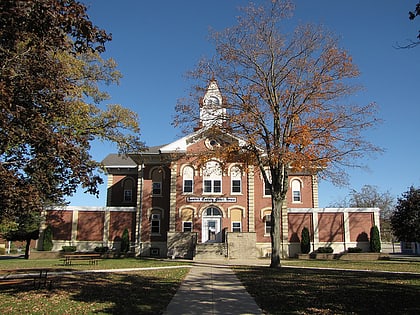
{"x":211,"y":199}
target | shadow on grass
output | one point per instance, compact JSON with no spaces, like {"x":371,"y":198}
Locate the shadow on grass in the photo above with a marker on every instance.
{"x":313,"y":291}
{"x":128,"y":293}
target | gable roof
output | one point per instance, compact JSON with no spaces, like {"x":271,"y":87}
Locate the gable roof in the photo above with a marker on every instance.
{"x":181,"y":145}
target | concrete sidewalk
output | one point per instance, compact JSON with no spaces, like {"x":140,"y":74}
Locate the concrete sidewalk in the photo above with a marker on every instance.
{"x":212,"y":289}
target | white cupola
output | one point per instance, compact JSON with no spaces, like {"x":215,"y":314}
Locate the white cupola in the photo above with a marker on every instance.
{"x":212,"y":111}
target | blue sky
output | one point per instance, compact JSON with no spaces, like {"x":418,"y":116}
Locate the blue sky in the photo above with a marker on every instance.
{"x":156,"y":42}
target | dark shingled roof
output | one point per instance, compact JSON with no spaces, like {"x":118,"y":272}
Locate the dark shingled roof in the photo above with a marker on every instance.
{"x":117,"y":160}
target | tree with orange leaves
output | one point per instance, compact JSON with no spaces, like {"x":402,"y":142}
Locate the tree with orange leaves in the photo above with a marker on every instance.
{"x":284,"y":96}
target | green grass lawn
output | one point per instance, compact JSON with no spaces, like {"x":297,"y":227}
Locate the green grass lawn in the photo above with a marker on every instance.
{"x":294,"y":290}
{"x":139,"y":292}
{"x":379,"y":265}
{"x":289,"y":290}
{"x":117,"y":263}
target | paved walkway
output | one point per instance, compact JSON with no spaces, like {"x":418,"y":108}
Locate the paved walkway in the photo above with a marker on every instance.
{"x":212,"y":289}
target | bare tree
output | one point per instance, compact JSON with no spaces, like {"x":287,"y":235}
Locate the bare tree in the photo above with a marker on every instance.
{"x":284,"y":97}
{"x":369,"y":196}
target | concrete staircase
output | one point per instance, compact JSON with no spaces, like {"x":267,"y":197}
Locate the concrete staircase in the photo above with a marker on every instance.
{"x":210,"y":251}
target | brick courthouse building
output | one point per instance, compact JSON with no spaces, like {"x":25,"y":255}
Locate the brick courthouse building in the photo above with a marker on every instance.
{"x":174,"y":207}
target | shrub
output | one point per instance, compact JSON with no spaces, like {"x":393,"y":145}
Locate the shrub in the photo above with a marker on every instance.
{"x":125,"y":241}
{"x":325,"y":250}
{"x":375,"y":240}
{"x":354,"y":250}
{"x":101,"y":249}
{"x":68,"y":249}
{"x":47,"y":242}
{"x":305,"y":241}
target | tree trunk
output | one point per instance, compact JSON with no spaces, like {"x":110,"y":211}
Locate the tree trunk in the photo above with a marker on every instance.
{"x":276,"y":226}
{"x":27,"y":248}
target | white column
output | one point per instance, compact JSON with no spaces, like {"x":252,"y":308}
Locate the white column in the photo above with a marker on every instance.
{"x":74,"y":222}
{"x":251,"y":199}
{"x":346,"y":229}
{"x":107,"y":219}
{"x":316,"y":226}
{"x":172,"y":209}
{"x":139,"y":206}
{"x":109,"y":183}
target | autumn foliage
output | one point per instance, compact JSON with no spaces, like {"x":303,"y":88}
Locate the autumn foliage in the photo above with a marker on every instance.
{"x":50,"y":74}
{"x":285,"y":93}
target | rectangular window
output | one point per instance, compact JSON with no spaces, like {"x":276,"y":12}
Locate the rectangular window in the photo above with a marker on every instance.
{"x":187,"y":226}
{"x":155,"y":228}
{"x":236,"y":226}
{"x":267,"y":191}
{"x":217,"y":188}
{"x":157,"y":188}
{"x":296,"y":196}
{"x":236,"y":186}
{"x":267,"y":221}
{"x":128,"y":195}
{"x":212,"y":186}
{"x":207,"y":186}
{"x":188,"y":186}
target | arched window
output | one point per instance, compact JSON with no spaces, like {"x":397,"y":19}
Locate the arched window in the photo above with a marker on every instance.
{"x":236,"y":180}
{"x":212,"y":212}
{"x":296,"y":190}
{"x":188,"y":179}
{"x":212,"y":178}
{"x":128,"y":186}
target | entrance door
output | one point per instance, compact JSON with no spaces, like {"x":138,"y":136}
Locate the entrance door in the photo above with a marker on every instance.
{"x":211,"y":226}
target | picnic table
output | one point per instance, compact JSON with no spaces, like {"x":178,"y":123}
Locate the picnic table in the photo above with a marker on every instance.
{"x":93,"y":259}
{"x":20,"y":276}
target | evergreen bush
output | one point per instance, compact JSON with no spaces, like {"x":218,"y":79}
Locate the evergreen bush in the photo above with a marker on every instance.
{"x":305,"y":241}
{"x":101,"y":249}
{"x":354,"y":250}
{"x":375,"y":240}
{"x":325,"y":250}
{"x":68,"y":249}
{"x":47,"y":242}
{"x":125,"y":241}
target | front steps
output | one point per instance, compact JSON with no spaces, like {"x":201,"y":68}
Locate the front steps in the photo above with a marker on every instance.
{"x":210,"y":251}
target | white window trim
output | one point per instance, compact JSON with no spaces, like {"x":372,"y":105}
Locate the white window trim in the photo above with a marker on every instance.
{"x":265,"y":224}
{"x":192,"y":187}
{"x":240,"y":186}
{"x":293,"y":191}
{"x":212,"y":192}
{"x":151,"y":227}
{"x":240,"y":226}
{"x":183,"y":227}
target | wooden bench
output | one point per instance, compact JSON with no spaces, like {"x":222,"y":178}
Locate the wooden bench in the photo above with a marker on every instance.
{"x":38,"y":277}
{"x":93,"y":259}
